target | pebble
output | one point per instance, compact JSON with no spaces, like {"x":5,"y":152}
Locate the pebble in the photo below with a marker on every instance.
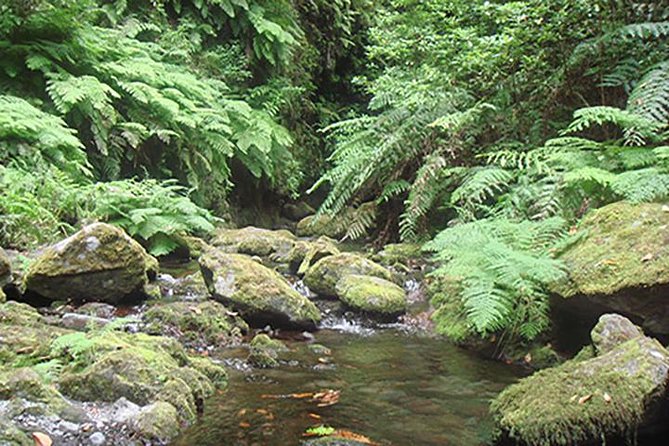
{"x":97,"y":439}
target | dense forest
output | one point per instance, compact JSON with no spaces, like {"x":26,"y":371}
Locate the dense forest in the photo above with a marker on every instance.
{"x":511,"y":154}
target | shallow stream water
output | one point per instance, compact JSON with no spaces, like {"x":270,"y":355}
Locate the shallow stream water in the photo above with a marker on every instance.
{"x":396,"y":388}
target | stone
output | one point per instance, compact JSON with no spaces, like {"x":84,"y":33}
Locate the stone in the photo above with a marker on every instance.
{"x":305,"y":253}
{"x":206,"y":323}
{"x":97,"y":439}
{"x":258,"y":293}
{"x":5,"y":268}
{"x":264,"y":351}
{"x":399,"y":254}
{"x":97,"y":309}
{"x":297,"y":211}
{"x":588,"y":398}
{"x":611,"y":331}
{"x":323,"y":276}
{"x":254,"y":241}
{"x":99,"y":263}
{"x":82,"y":322}
{"x":11,"y":435}
{"x":158,"y":421}
{"x":371,"y":295}
{"x":312,"y":226}
{"x":621,"y":261}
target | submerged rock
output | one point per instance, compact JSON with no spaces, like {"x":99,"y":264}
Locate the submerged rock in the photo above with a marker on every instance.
{"x":99,"y":263}
{"x":622,"y":262}
{"x":322,"y":277}
{"x":264,"y":351}
{"x":254,"y":241}
{"x":260,"y":294}
{"x":590,"y":397}
{"x":199,"y":323}
{"x":371,"y":295}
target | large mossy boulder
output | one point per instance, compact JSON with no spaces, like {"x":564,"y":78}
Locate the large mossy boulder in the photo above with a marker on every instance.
{"x":254,"y":241}
{"x":99,"y":263}
{"x":323,"y":276}
{"x":607,"y":393}
{"x":621,"y":261}
{"x":305,"y":253}
{"x":372,"y":295}
{"x":196,"y":323}
{"x":261,"y":295}
{"x":158,"y":421}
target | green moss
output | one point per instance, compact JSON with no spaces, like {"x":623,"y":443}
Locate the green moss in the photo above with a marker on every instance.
{"x":98,"y":263}
{"x":10,"y":435}
{"x":622,"y":246}
{"x":371,"y":294}
{"x":5,"y":268}
{"x":584,"y":401}
{"x":158,"y":421}
{"x":254,"y":241}
{"x":322,"y":278}
{"x":178,"y":394}
{"x":311,"y":226}
{"x":398,"y":254}
{"x":256,"y":291}
{"x":26,"y":383}
{"x":208,"y":323}
{"x":306,"y":253}
{"x":215,"y":372}
{"x":264,"y":351}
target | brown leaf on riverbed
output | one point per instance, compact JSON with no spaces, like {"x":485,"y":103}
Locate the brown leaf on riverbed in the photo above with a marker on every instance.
{"x":241,"y":413}
{"x":348,"y":435}
{"x":315,"y":416}
{"x":244,"y":424}
{"x":584,"y":399}
{"x":41,"y":439}
{"x":327,"y":398}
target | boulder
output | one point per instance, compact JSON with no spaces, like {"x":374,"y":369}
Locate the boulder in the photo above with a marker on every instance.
{"x":99,"y":263}
{"x":621,"y":261}
{"x":591,"y":397}
{"x":371,"y":295}
{"x":260,"y":294}
{"x":264,"y":351}
{"x":297,"y":211}
{"x":197,"y":324}
{"x":307,"y":252}
{"x":405,"y":254}
{"x":82,"y":322}
{"x":254,"y":241}
{"x":323,"y":276}
{"x":312,"y":226}
{"x":158,"y":421}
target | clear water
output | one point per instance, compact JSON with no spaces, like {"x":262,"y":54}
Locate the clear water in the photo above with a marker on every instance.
{"x":396,"y":389}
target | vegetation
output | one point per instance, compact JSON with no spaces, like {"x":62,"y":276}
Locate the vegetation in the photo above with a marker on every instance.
{"x":483,"y":129}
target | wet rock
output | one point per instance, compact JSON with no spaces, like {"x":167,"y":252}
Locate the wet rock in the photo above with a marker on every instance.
{"x":189,"y":288}
{"x":82,"y":322}
{"x":97,"y":439}
{"x":318,"y":349}
{"x":306,"y":253}
{"x":199,"y":324}
{"x":214,"y":371}
{"x":297,"y":211}
{"x":588,"y":399}
{"x":371,"y":295}
{"x":611,"y":331}
{"x":264,"y":351}
{"x":157,"y":421}
{"x":322,"y":277}
{"x":332,"y":440}
{"x":260,"y":294}
{"x":254,"y":241}
{"x":97,"y":309}
{"x":99,"y":263}
{"x":622,"y":262}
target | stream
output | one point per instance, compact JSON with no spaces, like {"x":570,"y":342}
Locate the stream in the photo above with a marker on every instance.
{"x":396,"y":388}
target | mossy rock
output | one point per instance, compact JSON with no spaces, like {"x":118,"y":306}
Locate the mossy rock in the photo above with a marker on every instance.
{"x":622,"y":262}
{"x":371,"y":295}
{"x":215,"y":372}
{"x":305,"y":253}
{"x":254,"y":241}
{"x":157,"y":421}
{"x":26,"y":383}
{"x":11,"y":435}
{"x":264,"y":351}
{"x":5,"y":268}
{"x":312,"y":226}
{"x":99,"y":263}
{"x":260,"y":294}
{"x":201,"y":323}
{"x":25,"y":336}
{"x":323,"y":276}
{"x":297,"y":211}
{"x":586,"y":400}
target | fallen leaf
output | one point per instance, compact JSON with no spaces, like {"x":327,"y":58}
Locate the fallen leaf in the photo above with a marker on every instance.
{"x":647,"y":258}
{"x":315,"y":416}
{"x":301,"y":395}
{"x":607,"y":397}
{"x":195,"y":310}
{"x":348,"y":435}
{"x":528,"y":358}
{"x":584,"y":399}
{"x":241,"y":413}
{"x":41,"y":439}
{"x":244,"y":425}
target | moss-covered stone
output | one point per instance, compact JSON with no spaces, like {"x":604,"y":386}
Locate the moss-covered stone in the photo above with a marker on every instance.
{"x":158,"y":421}
{"x":26,"y":383}
{"x":98,"y":263}
{"x":201,"y":323}
{"x":371,"y":295}
{"x":260,"y":294}
{"x":178,"y":393}
{"x":621,"y":260}
{"x":611,"y":331}
{"x":254,"y":241}
{"x":322,"y":277}
{"x":5,"y":268}
{"x":297,"y":211}
{"x":585,"y":400}
{"x":11,"y":435}
{"x":215,"y":372}
{"x":312,"y":226}
{"x":264,"y":351}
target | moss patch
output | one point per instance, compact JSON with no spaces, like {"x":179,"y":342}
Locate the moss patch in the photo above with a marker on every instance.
{"x":254,"y":241}
{"x":5,"y":268}
{"x":399,"y":254}
{"x":259,"y":293}
{"x":264,"y":351}
{"x":306,"y":253}
{"x":322,"y":278}
{"x":371,"y":295}
{"x":157,"y":421}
